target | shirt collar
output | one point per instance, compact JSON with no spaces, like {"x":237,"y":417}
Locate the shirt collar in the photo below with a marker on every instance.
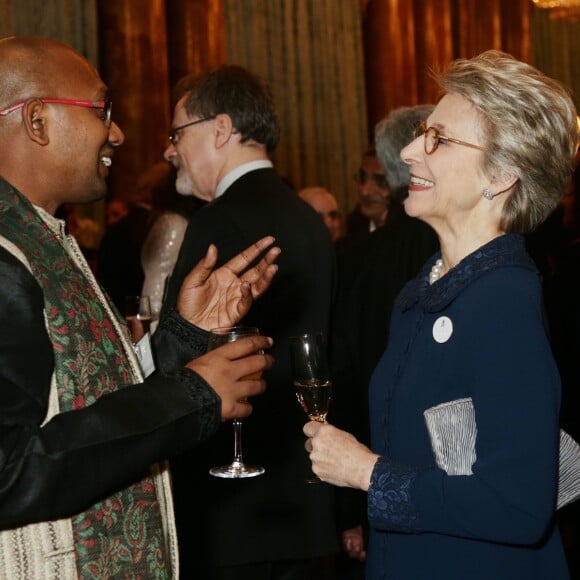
{"x":240,"y":170}
{"x":58,"y":226}
{"x":506,"y":250}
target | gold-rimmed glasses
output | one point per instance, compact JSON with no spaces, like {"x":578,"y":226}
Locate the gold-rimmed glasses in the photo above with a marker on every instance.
{"x":174,"y":131}
{"x":106,"y":106}
{"x":433,"y":138}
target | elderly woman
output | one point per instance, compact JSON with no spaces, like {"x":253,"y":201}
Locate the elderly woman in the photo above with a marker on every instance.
{"x":462,"y":476}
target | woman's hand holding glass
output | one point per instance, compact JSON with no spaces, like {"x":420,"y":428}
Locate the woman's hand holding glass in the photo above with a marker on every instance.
{"x":337,"y":457}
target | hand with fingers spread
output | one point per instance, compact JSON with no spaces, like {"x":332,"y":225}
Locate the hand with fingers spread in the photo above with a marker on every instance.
{"x":215,"y":298}
{"x":337,"y":457}
{"x":226,"y":368}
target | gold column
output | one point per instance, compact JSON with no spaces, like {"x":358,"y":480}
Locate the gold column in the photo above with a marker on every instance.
{"x":516,"y":28}
{"x":434,"y":45}
{"x":405,"y":39}
{"x":556,"y":49}
{"x":195,"y":36}
{"x":390,"y":58}
{"x":133,"y":63}
{"x":479,"y":27}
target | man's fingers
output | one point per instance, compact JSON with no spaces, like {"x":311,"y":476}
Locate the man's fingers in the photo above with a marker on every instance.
{"x":246,"y":299}
{"x":311,"y":428}
{"x":263,"y":283}
{"x":203,"y":269}
{"x":242,"y":409}
{"x":260,"y":276}
{"x":245,"y":346}
{"x":242,"y":260}
{"x":264,"y":265}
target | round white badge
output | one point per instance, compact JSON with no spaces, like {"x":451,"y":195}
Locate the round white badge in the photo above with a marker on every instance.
{"x":442,"y":329}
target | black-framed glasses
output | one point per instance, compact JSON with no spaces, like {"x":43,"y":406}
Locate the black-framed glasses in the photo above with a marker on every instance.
{"x":106,"y":106}
{"x":174,"y":131}
{"x":433,"y":139}
{"x":361,"y":177}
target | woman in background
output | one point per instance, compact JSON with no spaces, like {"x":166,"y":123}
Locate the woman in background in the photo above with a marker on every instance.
{"x":166,"y":227}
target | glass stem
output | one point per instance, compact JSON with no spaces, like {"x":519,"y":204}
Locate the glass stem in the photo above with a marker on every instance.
{"x":238,"y":460}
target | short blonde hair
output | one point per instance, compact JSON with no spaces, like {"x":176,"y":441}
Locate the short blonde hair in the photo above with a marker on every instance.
{"x":529,"y":130}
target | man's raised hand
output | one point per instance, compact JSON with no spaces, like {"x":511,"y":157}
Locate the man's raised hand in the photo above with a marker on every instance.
{"x":211,"y":298}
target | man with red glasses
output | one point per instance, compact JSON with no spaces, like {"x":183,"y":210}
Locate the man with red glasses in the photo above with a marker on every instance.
{"x":79,"y":426}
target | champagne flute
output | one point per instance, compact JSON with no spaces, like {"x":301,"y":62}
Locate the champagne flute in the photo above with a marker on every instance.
{"x":311,"y":376}
{"x":237,"y":468}
{"x":138,"y":316}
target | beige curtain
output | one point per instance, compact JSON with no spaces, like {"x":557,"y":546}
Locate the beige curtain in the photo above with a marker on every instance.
{"x":556,"y":49}
{"x":311,"y":53}
{"x":71,"y":21}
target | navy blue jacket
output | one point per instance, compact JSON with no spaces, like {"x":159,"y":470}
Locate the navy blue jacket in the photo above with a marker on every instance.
{"x":498,"y":522}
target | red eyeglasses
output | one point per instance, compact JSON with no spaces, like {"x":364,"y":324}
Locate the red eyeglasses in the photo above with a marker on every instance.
{"x":106,"y":106}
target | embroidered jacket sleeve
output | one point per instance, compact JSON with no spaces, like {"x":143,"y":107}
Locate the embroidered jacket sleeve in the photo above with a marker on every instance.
{"x":52,"y":470}
{"x":176,"y":342}
{"x":500,"y":356}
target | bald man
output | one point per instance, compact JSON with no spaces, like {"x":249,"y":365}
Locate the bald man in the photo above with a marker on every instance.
{"x":81,"y":492}
{"x":326,"y":206}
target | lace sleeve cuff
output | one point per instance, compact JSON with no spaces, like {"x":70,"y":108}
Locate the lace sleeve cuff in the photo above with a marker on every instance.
{"x":390,"y":503}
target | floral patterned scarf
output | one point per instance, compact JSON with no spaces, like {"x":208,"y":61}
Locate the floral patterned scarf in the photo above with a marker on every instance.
{"x":121,"y":536}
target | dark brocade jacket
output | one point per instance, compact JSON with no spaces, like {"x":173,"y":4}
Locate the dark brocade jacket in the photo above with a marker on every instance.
{"x":78,"y":428}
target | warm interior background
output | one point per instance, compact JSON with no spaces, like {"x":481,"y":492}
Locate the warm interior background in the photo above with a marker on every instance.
{"x":336,"y":66}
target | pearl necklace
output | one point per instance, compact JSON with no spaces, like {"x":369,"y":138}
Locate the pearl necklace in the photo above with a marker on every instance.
{"x":436,"y":271}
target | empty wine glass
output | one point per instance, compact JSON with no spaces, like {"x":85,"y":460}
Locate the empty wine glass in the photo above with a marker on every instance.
{"x":311,"y":376}
{"x":138,"y":316}
{"x":237,"y":468}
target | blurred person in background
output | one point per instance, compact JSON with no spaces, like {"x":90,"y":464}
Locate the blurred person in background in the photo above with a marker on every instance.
{"x":325,"y":204}
{"x":168,"y":219}
{"x":374,"y":196}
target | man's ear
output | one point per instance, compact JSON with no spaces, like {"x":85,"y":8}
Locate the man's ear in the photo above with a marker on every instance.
{"x":34,"y":117}
{"x":223,"y":128}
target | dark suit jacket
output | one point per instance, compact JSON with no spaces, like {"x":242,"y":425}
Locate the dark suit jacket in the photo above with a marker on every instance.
{"x":275,"y":516}
{"x":119,"y":256}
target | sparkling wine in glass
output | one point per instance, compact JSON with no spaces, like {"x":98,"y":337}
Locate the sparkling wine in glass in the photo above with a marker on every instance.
{"x":138,"y":316}
{"x":314,"y":397}
{"x":237,"y":468}
{"x":311,"y":376}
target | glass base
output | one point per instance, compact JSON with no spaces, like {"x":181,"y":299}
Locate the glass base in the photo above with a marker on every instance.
{"x":236,"y":470}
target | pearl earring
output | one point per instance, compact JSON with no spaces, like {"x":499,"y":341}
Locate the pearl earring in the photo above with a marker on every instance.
{"x":487,"y":193}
